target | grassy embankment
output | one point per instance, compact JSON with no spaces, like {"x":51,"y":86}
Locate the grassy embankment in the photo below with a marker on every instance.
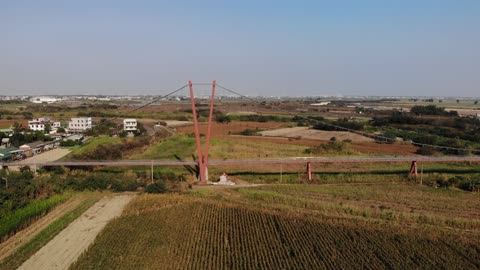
{"x":91,"y":144}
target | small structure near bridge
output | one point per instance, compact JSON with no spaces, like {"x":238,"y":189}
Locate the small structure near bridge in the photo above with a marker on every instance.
{"x":224,"y":181}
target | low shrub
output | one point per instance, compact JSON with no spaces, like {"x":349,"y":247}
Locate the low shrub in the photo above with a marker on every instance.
{"x":157,"y":187}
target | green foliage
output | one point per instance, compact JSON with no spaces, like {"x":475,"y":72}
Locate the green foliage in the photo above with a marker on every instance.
{"x":332,"y":147}
{"x":261,"y":118}
{"x":18,"y":138}
{"x":431,"y":110}
{"x":389,"y":136}
{"x":102,"y":181}
{"x":249,"y":132}
{"x":157,"y":187}
{"x":426,"y":151}
{"x":70,"y":143}
{"x":343,"y":122}
{"x":111,"y":151}
{"x":181,"y":146}
{"x":467,"y":183}
{"x":222,"y":118}
{"x":26,"y":251}
{"x":14,"y":221}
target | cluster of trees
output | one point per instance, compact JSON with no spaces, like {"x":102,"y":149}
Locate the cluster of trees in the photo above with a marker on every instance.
{"x":453,"y":131}
{"x":342,"y":122}
{"x":332,"y":147}
{"x":18,"y":138}
{"x":425,"y":137}
{"x":261,"y":118}
{"x":467,"y":183}
{"x":21,"y":190}
{"x":431,"y":110}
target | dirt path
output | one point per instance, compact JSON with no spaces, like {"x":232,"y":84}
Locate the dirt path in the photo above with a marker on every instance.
{"x":13,"y":243}
{"x":67,"y":246}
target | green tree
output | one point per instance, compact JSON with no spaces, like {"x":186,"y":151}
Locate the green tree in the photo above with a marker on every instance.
{"x":47,"y":128}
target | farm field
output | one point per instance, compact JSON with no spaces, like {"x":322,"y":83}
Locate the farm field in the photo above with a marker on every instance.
{"x":308,"y":133}
{"x":393,"y":225}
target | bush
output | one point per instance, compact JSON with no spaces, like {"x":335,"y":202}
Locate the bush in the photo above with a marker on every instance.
{"x":119,"y":185}
{"x":70,"y":143}
{"x":332,"y":147}
{"x":426,"y":151}
{"x":157,"y":187}
{"x":249,"y":132}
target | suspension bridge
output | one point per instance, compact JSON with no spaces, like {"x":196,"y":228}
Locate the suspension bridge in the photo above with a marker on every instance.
{"x":203,"y":161}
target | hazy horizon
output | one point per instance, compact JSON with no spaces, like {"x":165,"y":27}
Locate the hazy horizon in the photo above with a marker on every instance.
{"x":272,"y":48}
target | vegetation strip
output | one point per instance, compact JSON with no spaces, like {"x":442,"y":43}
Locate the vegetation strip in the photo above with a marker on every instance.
{"x":26,"y":251}
{"x":21,"y":218}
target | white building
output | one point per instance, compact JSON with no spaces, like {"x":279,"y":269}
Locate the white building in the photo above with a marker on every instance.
{"x":80,"y":124}
{"x":129,"y":124}
{"x":40,"y":123}
{"x":36,"y":125}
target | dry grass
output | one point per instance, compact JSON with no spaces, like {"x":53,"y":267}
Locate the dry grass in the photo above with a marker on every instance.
{"x":293,"y":227}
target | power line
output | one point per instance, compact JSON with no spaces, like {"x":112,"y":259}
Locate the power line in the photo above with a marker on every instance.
{"x":343,"y":128}
{"x":147,"y":104}
{"x":155,"y":100}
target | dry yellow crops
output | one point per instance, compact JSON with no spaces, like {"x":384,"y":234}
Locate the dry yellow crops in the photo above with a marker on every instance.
{"x":210,"y":230}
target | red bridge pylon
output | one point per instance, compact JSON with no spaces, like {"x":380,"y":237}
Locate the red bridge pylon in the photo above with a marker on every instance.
{"x":413,"y":170}
{"x":202,"y":155}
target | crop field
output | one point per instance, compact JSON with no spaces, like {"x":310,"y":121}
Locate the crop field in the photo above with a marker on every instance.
{"x":305,"y":132}
{"x":373,"y":226}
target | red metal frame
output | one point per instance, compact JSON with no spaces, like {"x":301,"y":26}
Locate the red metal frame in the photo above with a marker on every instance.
{"x":202,"y":156}
{"x":309,"y":171}
{"x":413,"y":169}
{"x":210,"y":118}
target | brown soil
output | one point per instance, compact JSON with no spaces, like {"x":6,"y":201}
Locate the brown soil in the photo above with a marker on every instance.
{"x":8,"y":123}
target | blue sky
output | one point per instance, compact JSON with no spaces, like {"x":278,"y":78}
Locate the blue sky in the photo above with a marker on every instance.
{"x":296,"y":48}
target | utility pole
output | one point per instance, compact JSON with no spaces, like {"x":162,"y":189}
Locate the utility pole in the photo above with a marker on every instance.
{"x":281,"y":173}
{"x":421,"y":175}
{"x":151,"y":169}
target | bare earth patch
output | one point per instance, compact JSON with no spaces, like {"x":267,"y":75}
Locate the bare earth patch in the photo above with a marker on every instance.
{"x":67,"y":246}
{"x":314,"y":134}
